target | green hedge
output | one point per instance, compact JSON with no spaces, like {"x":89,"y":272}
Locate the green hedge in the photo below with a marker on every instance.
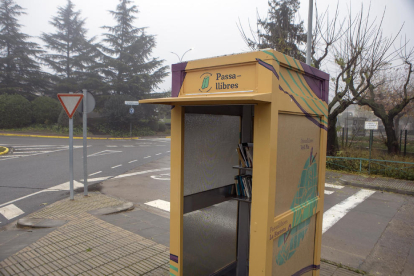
{"x":45,"y":110}
{"x":15,"y":111}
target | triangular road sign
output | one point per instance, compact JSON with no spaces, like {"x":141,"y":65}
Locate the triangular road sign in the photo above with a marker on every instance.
{"x":70,"y":102}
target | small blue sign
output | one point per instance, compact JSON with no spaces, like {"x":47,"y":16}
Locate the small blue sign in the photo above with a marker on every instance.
{"x":131,"y":110}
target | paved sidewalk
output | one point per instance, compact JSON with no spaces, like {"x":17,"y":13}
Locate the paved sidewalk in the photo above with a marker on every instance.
{"x":87,"y":245}
{"x":372,"y":182}
{"x":130,"y":243}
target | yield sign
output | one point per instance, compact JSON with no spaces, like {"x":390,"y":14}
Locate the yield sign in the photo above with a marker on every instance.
{"x":70,"y":102}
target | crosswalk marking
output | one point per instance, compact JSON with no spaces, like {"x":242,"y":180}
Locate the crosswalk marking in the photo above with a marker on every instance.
{"x":335,"y":213}
{"x":333,"y":186}
{"x":11,"y":211}
{"x":328,"y":192}
{"x":32,"y":150}
{"x":160,"y":204}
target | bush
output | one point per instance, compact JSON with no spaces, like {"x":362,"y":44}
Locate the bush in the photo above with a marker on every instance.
{"x":45,"y":110}
{"x":15,"y":111}
{"x":161,"y":127}
{"x":63,"y":120}
{"x":153,"y":125}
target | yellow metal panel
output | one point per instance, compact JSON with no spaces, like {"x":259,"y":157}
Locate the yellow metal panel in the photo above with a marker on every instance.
{"x":177,"y":190}
{"x":321,"y":190}
{"x":264,"y":179}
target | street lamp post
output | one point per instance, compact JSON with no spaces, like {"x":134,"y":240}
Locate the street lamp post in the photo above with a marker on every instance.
{"x":181,"y":59}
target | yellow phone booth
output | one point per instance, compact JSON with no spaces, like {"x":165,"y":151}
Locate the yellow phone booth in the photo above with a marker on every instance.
{"x":248,"y":153}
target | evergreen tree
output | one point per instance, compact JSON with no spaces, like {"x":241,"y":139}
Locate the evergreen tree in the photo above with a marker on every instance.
{"x":279,"y":30}
{"x":19,"y":70}
{"x":73,"y":57}
{"x":128,"y":66}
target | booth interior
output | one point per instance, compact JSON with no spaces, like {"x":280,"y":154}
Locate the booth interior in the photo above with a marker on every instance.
{"x":217,"y":189}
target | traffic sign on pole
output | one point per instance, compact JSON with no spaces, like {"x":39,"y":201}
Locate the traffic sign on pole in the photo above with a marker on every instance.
{"x":70,"y":102}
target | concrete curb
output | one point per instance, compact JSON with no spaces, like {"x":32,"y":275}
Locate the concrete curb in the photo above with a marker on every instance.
{"x":39,"y":223}
{"x":4,"y":152}
{"x":113,"y":209}
{"x":374,"y":187}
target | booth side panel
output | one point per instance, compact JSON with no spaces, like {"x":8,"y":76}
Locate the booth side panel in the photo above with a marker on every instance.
{"x":264,"y":179}
{"x":321,"y":191}
{"x":297,"y":195}
{"x":177,"y":191}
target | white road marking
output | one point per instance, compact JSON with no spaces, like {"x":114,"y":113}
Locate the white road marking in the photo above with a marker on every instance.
{"x":333,"y":186}
{"x":164,"y":176}
{"x":16,"y":153}
{"x":104,"y":152}
{"x":144,"y":145}
{"x":147,"y":157}
{"x":113,"y":146}
{"x":97,"y":179}
{"x":116,"y":166}
{"x":168,"y":151}
{"x":60,"y":187}
{"x":95,"y":173}
{"x":141,"y":172}
{"x":128,"y":146}
{"x":160,"y":204}
{"x":11,"y":211}
{"x":158,"y":154}
{"x":335,"y":213}
{"x":132,"y":161}
{"x":328,"y":192}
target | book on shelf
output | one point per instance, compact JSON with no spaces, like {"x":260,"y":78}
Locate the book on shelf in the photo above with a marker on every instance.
{"x":243,"y":185}
{"x":245,"y":153}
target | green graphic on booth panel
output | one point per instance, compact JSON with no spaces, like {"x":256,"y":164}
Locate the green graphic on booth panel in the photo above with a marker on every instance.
{"x":307,"y":191}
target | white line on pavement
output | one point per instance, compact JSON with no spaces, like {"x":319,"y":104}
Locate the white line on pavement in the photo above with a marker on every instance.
{"x":132,"y":161}
{"x":160,"y":204}
{"x":328,"y":192}
{"x":60,"y":187}
{"x":116,"y":166}
{"x":141,"y":172}
{"x":97,"y":179}
{"x":11,"y":211}
{"x":147,"y":157}
{"x":95,"y":173}
{"x":158,"y":154}
{"x":335,"y":213}
{"x":168,"y":151}
{"x":333,"y":186}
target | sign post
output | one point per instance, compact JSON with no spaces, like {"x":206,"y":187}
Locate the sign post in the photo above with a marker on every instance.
{"x":371,"y":126}
{"x":85,"y":153}
{"x":70,"y":102}
{"x":131,"y":111}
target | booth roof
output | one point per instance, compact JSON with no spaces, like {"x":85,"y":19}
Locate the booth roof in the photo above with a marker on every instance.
{"x":209,"y":99}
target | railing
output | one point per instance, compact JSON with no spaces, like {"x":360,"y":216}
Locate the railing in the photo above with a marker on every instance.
{"x":397,"y":169}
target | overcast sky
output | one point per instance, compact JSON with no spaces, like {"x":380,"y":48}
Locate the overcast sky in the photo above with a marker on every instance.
{"x":209,"y":27}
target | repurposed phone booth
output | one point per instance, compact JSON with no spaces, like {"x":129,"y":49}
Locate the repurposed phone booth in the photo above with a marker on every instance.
{"x":248,"y":153}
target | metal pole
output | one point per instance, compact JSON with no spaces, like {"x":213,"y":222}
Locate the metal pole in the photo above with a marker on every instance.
{"x":346,"y":144}
{"x":309,"y":41}
{"x":130,"y":130}
{"x":401,"y":132}
{"x":371,"y":135}
{"x":71,"y":158}
{"x":343,"y":136}
{"x":405,"y":143}
{"x":85,"y":154}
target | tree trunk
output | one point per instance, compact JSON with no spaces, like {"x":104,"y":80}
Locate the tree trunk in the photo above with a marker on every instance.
{"x":392,"y":141}
{"x":333,"y":146}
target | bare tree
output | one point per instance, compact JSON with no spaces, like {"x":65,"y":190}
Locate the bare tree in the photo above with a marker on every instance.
{"x":359,"y":56}
{"x":397,"y":90}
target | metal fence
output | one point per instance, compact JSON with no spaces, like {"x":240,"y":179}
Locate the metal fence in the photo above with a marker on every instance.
{"x":396,"y":169}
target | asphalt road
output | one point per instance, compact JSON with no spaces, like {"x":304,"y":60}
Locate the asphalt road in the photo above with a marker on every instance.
{"x":39,"y":164}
